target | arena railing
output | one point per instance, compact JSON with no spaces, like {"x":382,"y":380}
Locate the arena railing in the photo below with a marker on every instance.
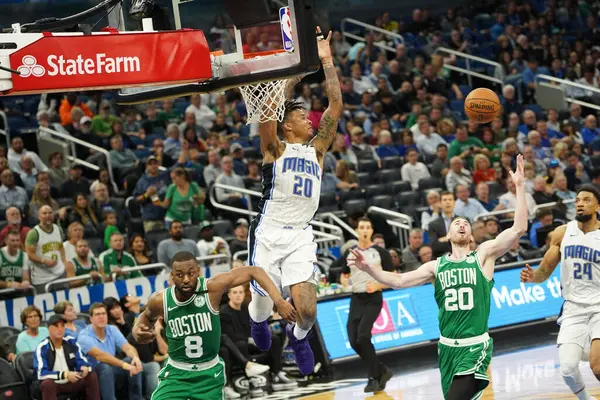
{"x":66,"y":280}
{"x":512,"y":210}
{"x":539,"y":78}
{"x":11,"y":290}
{"x":70,"y":139}
{"x":237,"y":255}
{"x":395,"y":37}
{"x":401,"y":223}
{"x":468,"y":59}
{"x":6,"y":129}
{"x":331,"y":218}
{"x":323,"y":239}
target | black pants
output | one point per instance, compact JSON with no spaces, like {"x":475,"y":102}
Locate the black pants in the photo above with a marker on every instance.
{"x":238,"y":353}
{"x":364,"y":310}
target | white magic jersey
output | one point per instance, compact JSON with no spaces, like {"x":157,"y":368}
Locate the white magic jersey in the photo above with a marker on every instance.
{"x":580,"y":265}
{"x":291,"y":187}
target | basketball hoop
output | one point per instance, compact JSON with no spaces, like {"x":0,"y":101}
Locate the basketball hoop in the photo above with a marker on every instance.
{"x":265,"y":101}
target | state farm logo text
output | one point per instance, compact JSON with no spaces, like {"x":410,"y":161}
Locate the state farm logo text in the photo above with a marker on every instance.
{"x":59,"y":65}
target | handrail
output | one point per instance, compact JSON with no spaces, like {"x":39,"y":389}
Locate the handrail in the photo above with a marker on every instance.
{"x":138,"y":268}
{"x":237,"y":254}
{"x":10,"y":290}
{"x":339,"y":222}
{"x":517,"y":263}
{"x":493,"y":213}
{"x":392,"y":35}
{"x":468,"y":58}
{"x":5,"y":131}
{"x":80,"y":142}
{"x":565,"y":82}
{"x":551,"y":204}
{"x":66,"y":280}
{"x":402,"y":223}
{"x":84,"y":163}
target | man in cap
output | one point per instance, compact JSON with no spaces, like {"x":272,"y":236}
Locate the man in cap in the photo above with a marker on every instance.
{"x":211,"y":245}
{"x":76,"y":183}
{"x":61,"y":367}
{"x":240,"y":243}
{"x":239,"y":164}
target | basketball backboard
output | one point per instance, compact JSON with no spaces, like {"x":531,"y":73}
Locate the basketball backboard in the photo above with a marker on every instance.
{"x":284,"y":37}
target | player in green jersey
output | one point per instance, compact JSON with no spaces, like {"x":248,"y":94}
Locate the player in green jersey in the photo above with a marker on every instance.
{"x":190,"y":315}
{"x":463,"y":281}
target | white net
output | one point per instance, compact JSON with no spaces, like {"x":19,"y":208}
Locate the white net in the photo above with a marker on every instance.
{"x":265,"y":101}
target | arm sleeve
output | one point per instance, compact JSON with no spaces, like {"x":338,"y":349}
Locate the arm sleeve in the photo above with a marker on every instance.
{"x":41,"y":367}
{"x":32,"y":238}
{"x":386,"y":259}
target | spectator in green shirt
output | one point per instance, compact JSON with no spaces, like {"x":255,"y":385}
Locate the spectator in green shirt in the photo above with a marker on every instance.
{"x":168,"y":115}
{"x":115,"y":258}
{"x":465,"y":146}
{"x":101,"y":123}
{"x":110,"y":227}
{"x":184,"y":200}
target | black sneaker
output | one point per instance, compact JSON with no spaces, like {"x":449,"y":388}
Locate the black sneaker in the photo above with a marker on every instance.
{"x":371,"y":385}
{"x":383,"y":379}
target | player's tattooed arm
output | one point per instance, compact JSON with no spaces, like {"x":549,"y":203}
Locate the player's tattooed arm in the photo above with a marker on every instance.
{"x":329,"y":121}
{"x":143,"y":330}
{"x":551,"y":257}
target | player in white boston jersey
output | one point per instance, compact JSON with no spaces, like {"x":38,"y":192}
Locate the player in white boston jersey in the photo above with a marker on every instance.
{"x":577,"y":246}
{"x":280,"y":238}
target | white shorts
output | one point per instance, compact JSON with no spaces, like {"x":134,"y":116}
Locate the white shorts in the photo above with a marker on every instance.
{"x":579,"y":324}
{"x":287,"y":254}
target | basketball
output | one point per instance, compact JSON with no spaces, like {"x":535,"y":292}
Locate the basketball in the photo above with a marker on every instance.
{"x":482,"y":105}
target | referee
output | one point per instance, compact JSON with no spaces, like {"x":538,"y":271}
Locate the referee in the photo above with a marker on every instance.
{"x":365,"y":305}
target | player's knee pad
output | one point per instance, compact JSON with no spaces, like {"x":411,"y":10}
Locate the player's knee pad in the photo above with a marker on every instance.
{"x":569,"y":368}
{"x":260,"y":308}
{"x":569,"y":356}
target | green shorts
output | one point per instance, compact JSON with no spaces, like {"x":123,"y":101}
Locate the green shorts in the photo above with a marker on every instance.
{"x":465,"y":360}
{"x":181,"y":384}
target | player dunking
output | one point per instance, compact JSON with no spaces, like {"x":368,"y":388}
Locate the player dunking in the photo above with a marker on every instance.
{"x":281,"y":239}
{"x":463,"y":281}
{"x":577,"y":246}
{"x":189,"y":311}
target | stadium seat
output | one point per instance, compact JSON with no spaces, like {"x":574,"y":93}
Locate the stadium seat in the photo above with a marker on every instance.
{"x":430,"y":183}
{"x":355,"y":206}
{"x":6,"y":331}
{"x":191,"y":232}
{"x":10,"y":381}
{"x":155,"y":237}
{"x":375,"y":190}
{"x":64,"y":202}
{"x":364,"y":179}
{"x":95,"y":244}
{"x":328,"y":202}
{"x":408,"y":198}
{"x":369,"y":166}
{"x":384,"y":201}
{"x":83,"y":317}
{"x":390,"y":175}
{"x":252,"y":153}
{"x":391,"y":162}
{"x":398,"y":187}
{"x":351,"y":194}
{"x":223,"y":228}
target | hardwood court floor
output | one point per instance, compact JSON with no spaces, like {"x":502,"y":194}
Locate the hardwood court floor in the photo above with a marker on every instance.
{"x":525,"y":374}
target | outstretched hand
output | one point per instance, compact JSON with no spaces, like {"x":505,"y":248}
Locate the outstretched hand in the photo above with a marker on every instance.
{"x":518,"y":177}
{"x":357,"y":260}
{"x":143,"y":334}
{"x":323,"y":45}
{"x":527,"y":273}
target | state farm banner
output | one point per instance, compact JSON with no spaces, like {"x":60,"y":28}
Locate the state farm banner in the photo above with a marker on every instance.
{"x":54,"y":63}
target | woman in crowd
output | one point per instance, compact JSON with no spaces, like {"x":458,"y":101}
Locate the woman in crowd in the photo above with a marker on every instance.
{"x":41,"y":197}
{"x":483,"y":170}
{"x":123,"y":321}
{"x":74,"y":234}
{"x":28,"y":340}
{"x":138,"y":247}
{"x":183,"y":199}
{"x":72,"y":325}
{"x":58,"y":173}
{"x":83,"y":213}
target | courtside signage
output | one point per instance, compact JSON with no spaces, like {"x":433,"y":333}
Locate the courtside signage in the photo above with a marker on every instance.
{"x":410,"y":315}
{"x":111,"y":60}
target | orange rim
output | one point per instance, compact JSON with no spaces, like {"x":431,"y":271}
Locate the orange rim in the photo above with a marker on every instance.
{"x":263,"y":53}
